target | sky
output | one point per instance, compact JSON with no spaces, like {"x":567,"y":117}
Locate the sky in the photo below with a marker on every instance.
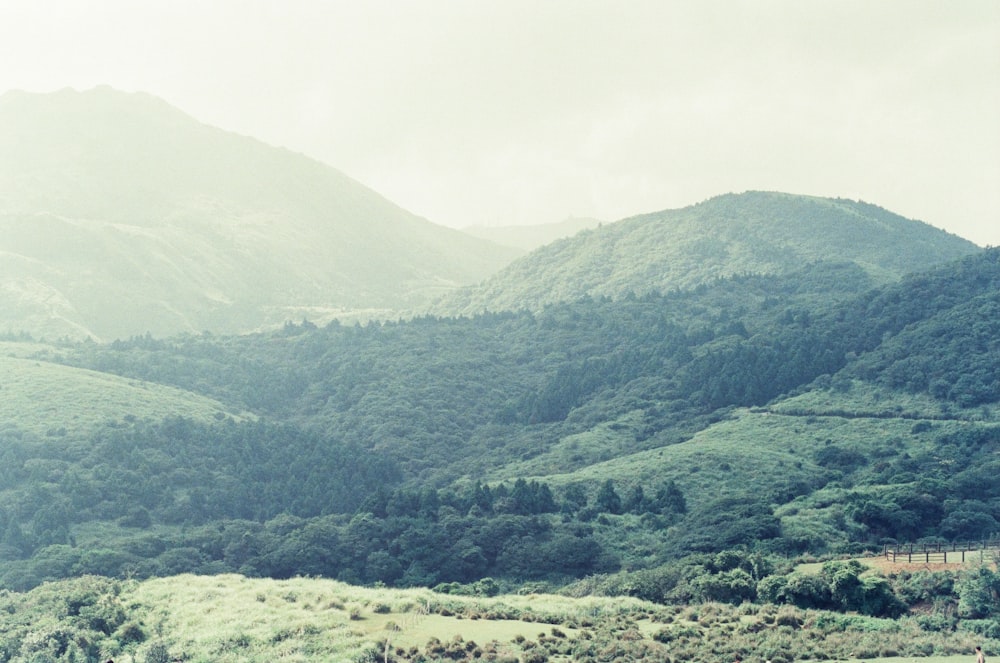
{"x":508,"y":112}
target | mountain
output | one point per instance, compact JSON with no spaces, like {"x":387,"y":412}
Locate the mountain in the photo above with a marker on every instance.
{"x":749,"y":233}
{"x":799,"y":414}
{"x":121,"y":215}
{"x":529,"y":238}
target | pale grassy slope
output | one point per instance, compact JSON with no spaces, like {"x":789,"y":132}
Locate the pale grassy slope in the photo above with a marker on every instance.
{"x":229,"y":619}
{"x":232,"y":618}
{"x":49,"y":399}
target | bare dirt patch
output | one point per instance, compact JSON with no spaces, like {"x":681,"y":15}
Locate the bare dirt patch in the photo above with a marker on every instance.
{"x":887,"y":566}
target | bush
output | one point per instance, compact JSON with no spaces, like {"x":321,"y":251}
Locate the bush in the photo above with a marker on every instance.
{"x":157,"y":653}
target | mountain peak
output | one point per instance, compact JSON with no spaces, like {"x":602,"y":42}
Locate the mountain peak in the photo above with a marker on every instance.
{"x":760,"y":232}
{"x":140,"y":218}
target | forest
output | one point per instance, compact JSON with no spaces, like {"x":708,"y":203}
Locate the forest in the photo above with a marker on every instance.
{"x":418,"y":452}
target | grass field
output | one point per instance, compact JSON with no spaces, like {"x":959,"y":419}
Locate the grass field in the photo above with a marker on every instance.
{"x":231,"y":618}
{"x":50,"y":399}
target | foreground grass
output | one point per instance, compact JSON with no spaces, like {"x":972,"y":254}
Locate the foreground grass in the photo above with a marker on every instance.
{"x":229,"y":618}
{"x":232,"y":618}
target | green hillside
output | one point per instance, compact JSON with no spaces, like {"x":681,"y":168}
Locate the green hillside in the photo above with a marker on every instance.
{"x":120,"y":215}
{"x":53,"y":400}
{"x":749,"y":233}
{"x":689,"y":449}
{"x":776,"y":414}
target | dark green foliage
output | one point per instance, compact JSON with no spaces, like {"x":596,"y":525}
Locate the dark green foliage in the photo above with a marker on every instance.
{"x":729,"y":522}
{"x":840,"y":586}
{"x":607,"y":499}
{"x":954,"y":353}
{"x":979,"y":594}
{"x":157,"y":653}
{"x":363,"y":465}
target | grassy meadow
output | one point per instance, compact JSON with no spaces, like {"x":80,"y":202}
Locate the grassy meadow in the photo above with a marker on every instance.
{"x":231,"y":618}
{"x":49,"y":399}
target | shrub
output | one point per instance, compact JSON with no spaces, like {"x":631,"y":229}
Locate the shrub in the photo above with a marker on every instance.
{"x":157,"y":653}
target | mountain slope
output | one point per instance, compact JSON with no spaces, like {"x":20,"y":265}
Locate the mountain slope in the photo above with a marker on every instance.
{"x":120,"y":215}
{"x":754,"y":232}
{"x":529,"y":238}
{"x":49,"y":399}
{"x":780,"y":413}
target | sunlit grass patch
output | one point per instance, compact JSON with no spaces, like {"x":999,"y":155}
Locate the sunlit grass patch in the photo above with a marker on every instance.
{"x":53,"y":401}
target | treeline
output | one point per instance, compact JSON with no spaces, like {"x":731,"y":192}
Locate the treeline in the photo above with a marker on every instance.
{"x":740,"y":576}
{"x":177,"y":473}
{"x":452,"y":397}
{"x":272,"y":500}
{"x":346,"y":521}
{"x":385,"y":424}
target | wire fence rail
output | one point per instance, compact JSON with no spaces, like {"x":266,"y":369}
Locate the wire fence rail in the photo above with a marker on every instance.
{"x":956,"y":552}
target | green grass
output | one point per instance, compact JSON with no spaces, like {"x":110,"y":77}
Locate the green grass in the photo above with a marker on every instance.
{"x":233,"y":618}
{"x":230,"y":618}
{"x":749,"y":453}
{"x":50,"y":399}
{"x":755,"y":451}
{"x":867,"y":400}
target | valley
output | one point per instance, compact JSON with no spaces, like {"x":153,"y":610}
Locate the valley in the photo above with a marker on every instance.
{"x":250,"y":409}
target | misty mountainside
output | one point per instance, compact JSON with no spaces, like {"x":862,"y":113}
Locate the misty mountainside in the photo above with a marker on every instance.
{"x":749,"y":233}
{"x":121,"y":215}
{"x":814,"y":412}
{"x":530,"y":237}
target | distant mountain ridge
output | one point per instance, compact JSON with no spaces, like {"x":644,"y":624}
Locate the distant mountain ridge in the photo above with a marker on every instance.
{"x":119,"y":215}
{"x":531,"y":237}
{"x":753,"y":232}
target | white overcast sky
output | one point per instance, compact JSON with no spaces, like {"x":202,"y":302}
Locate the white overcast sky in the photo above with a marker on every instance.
{"x":476,"y":112}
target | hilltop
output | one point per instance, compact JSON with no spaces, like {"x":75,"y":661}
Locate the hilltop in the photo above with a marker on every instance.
{"x":749,"y":233}
{"x":121,"y":215}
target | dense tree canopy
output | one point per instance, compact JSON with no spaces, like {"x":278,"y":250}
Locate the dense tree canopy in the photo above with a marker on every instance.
{"x":396,"y":452}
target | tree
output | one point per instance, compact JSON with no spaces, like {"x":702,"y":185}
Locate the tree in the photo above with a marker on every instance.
{"x":734,"y":586}
{"x":669,"y":499}
{"x":979,"y":594}
{"x":608,"y":500}
{"x":636,"y":501}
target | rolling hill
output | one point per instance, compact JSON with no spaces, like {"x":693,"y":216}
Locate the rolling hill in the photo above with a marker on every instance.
{"x":120,"y":215}
{"x":47,"y":399}
{"x":748,"y":233}
{"x":806,"y":413}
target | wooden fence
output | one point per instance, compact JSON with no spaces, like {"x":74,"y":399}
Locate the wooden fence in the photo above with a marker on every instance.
{"x":956,"y":552}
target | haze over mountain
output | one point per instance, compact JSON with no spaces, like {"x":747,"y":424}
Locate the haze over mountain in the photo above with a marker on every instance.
{"x":531,"y":237}
{"x":753,"y":232}
{"x":119,"y":215}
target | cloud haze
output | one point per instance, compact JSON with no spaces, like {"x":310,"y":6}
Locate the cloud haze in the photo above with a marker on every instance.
{"x":475,"y":113}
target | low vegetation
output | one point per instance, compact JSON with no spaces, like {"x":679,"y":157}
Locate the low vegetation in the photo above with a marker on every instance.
{"x":227,"y":618}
